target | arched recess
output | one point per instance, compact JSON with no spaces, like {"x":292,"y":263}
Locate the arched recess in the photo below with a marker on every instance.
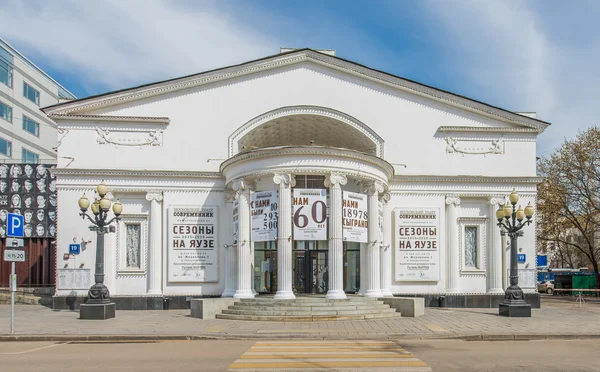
{"x":305,"y":126}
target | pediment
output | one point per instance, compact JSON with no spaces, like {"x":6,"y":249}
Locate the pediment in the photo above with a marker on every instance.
{"x":95,"y":103}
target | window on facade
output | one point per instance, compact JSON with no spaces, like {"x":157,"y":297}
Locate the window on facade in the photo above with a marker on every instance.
{"x":31,"y":126}
{"x":310,"y":182}
{"x":6,"y":112}
{"x":31,"y":94}
{"x":29,"y":157}
{"x":133,"y":245}
{"x":471,"y":246}
{"x":6,"y":68}
{"x":5,"y":147}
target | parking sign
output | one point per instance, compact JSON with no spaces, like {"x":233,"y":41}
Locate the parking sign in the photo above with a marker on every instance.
{"x":15,"y":224}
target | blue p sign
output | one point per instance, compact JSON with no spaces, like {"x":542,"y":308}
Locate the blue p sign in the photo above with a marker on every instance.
{"x":15,"y":225}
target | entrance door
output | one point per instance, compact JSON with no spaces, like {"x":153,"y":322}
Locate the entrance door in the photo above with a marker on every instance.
{"x":265,"y":267}
{"x":310,"y":270}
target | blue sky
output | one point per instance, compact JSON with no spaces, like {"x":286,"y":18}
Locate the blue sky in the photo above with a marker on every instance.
{"x":520,"y":55}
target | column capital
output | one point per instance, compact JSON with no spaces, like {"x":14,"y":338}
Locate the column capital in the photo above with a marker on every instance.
{"x":334,"y":179}
{"x":285,"y":179}
{"x":372,"y":187}
{"x":452,"y":199}
{"x":154,"y":195}
{"x":497,"y":200}
{"x":385,"y":197}
{"x":229,"y":196}
{"x":241,"y":185}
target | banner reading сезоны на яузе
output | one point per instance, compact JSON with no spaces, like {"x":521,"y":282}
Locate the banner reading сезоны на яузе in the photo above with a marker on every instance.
{"x":417,"y":244}
{"x":193,"y":254}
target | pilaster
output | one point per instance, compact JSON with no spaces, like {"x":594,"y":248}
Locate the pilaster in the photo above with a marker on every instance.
{"x":373,"y":274}
{"x":495,"y":249}
{"x":230,"y":248}
{"x":452,"y":264}
{"x":155,"y":251}
{"x":386,"y":256}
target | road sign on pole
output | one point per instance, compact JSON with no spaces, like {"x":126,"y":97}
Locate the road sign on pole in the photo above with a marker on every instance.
{"x":15,"y":224}
{"x":74,"y":248}
{"x":14,"y":255}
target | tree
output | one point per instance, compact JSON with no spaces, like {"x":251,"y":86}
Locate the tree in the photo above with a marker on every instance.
{"x":569,"y":198}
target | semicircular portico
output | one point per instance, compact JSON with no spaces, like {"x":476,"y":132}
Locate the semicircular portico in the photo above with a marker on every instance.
{"x":306,"y":126}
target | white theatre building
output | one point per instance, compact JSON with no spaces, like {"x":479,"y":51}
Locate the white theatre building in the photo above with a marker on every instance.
{"x":297,"y":173}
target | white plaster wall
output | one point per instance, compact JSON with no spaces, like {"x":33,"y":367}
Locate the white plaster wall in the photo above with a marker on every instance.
{"x":203,"y":118}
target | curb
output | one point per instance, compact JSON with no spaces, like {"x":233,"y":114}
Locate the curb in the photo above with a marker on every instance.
{"x":150,"y":338}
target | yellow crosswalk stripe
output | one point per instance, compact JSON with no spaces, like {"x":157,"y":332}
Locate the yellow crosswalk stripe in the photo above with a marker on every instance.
{"x":316,"y":355}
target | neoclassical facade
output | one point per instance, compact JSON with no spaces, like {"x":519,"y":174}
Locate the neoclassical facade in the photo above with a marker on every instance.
{"x":297,"y":173}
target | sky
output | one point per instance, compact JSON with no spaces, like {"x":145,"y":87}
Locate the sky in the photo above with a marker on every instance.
{"x":536,"y":56}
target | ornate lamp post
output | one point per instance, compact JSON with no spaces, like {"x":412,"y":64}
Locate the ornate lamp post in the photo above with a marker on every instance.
{"x":510,"y":221}
{"x":98,"y":305}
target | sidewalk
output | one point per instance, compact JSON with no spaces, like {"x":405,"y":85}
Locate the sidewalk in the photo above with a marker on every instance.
{"x":558,"y":318}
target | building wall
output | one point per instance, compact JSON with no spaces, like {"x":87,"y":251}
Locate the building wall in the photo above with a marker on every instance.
{"x":50,"y":94}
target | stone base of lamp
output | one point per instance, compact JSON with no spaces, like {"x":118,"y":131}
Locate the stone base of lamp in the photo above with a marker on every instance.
{"x":515,"y":309}
{"x":97,"y":311}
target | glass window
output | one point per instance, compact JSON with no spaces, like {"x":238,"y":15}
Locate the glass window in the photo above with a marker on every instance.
{"x":471,"y":246}
{"x":6,"y":68}
{"x":6,"y":112}
{"x":310,"y":182}
{"x":5,"y":147}
{"x":133,"y":238}
{"x":30,"y":157}
{"x":31,"y":126}
{"x":31,"y":94}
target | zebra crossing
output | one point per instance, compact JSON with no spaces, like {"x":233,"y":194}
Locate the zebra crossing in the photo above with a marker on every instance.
{"x":328,"y":356}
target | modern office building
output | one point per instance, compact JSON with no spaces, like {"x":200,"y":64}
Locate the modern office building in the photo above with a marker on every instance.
{"x":27,"y":135}
{"x":301,"y":172}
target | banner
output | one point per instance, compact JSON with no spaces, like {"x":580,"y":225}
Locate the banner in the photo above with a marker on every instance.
{"x":310,"y":214}
{"x":29,"y":190}
{"x":193,"y":244}
{"x":263,"y":209}
{"x":417,"y":244}
{"x":355,"y":220}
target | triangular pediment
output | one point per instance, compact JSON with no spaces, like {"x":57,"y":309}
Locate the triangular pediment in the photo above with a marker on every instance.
{"x":91,"y":104}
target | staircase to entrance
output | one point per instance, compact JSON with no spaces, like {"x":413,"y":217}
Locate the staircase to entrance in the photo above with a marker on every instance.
{"x":308,"y":308}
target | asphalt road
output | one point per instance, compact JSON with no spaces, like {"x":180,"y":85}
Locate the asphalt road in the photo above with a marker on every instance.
{"x":183,"y":356}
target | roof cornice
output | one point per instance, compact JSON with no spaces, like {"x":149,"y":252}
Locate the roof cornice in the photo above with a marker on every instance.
{"x":133,"y":173}
{"x":131,"y":119}
{"x":464,"y":178}
{"x":285,"y":59}
{"x":450,"y":129}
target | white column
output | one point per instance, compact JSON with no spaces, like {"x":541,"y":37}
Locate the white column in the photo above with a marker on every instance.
{"x":155,"y":249}
{"x":230,"y":249}
{"x":373,"y":274}
{"x":335,"y":181}
{"x":284,"y":236}
{"x":244,"y":272}
{"x":386,"y":252}
{"x":452,"y":267}
{"x":495,"y":249}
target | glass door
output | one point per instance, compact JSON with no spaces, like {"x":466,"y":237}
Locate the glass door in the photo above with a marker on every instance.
{"x":310,"y":267}
{"x":265,"y":267}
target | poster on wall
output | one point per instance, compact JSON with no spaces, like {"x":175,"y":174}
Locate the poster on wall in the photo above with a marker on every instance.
{"x":310,"y":214}
{"x":193,"y":245}
{"x":263,"y":209}
{"x":354,"y":217}
{"x":417,"y":244}
{"x":29,"y":190}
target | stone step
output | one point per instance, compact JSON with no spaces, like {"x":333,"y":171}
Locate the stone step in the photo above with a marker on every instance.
{"x":310,"y":299}
{"x":310,"y":308}
{"x":306,"y":303}
{"x":306,"y":313}
{"x":279,"y":318}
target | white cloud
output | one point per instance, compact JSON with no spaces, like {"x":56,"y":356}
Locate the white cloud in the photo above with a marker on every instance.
{"x":513,"y":53}
{"x":116,"y":44}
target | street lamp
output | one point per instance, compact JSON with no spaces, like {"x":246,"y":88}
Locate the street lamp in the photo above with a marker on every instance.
{"x":510,"y":220}
{"x":98,"y":305}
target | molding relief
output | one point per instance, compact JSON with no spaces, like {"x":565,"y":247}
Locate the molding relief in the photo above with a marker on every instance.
{"x":151,"y":137}
{"x":287,"y":59}
{"x":474,"y":147}
{"x":242,"y":185}
{"x":478,"y":179}
{"x":497,"y":200}
{"x":229,"y":196}
{"x":129,"y":119}
{"x":461,"y":129}
{"x":371,"y":188}
{"x":385,"y":197}
{"x":134,"y":173}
